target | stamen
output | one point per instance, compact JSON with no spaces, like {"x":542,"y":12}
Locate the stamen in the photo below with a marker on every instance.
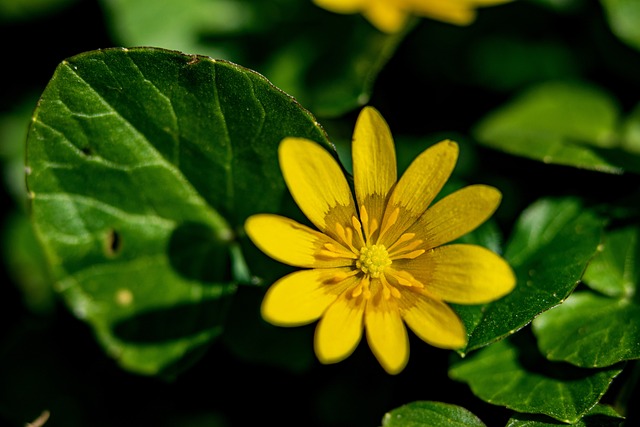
{"x":410,"y":255}
{"x":358,"y":228}
{"x":387,"y":289}
{"x":369,"y":227}
{"x":362,"y":288}
{"x":346,"y":236}
{"x":388,"y":221}
{"x":405,"y":279}
{"x":402,"y":239}
{"x":329,"y":250}
{"x":340,"y":276}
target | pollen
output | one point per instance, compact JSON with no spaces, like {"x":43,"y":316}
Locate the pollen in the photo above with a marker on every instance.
{"x":373,"y":260}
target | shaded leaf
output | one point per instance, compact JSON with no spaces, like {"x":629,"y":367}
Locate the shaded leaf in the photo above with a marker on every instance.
{"x":430,"y":414}
{"x":589,"y":330}
{"x":572,"y":124}
{"x":551,"y":244}
{"x":142,"y":166}
{"x":512,"y":373}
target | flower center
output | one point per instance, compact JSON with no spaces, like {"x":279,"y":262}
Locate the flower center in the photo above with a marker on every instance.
{"x":373,"y":260}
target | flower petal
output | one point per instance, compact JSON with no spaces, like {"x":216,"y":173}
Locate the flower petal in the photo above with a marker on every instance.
{"x":416,"y":189}
{"x":463,"y":274}
{"x":342,"y":6}
{"x":292,"y":243}
{"x":317,"y":183}
{"x":458,"y":12}
{"x":340,"y":329}
{"x":386,"y":16}
{"x":432,"y":320}
{"x":386,"y":334}
{"x":457,"y":214}
{"x":302,"y":297}
{"x":374,"y":162}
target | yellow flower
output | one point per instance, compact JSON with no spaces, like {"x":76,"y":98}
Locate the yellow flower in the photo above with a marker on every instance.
{"x":390,"y":16}
{"x":383,"y":264}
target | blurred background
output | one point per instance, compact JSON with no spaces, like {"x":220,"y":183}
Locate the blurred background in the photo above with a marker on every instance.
{"x":434,"y":81}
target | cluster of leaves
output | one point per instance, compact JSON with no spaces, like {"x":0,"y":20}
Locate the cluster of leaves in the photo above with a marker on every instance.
{"x":142,"y":164}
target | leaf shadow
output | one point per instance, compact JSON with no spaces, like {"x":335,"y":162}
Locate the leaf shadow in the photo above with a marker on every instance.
{"x":175,"y":322}
{"x":196,"y":253}
{"x":531,"y":360}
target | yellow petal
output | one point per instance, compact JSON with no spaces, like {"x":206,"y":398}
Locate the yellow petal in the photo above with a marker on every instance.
{"x":458,"y":12}
{"x":316,"y":182}
{"x":418,"y":186}
{"x":386,"y":16}
{"x":463,"y":274}
{"x":450,"y":11}
{"x":302,"y":297}
{"x":341,"y":6}
{"x":292,"y":243}
{"x":340,"y":329}
{"x":386,"y":334}
{"x":374,"y":162}
{"x":457,"y":214}
{"x":433,"y":321}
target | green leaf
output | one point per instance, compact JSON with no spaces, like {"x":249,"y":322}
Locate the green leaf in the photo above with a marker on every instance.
{"x":572,"y":124}
{"x":599,"y":416}
{"x":430,"y":414}
{"x":142,"y":166}
{"x":589,"y":330}
{"x":615,"y":270}
{"x":552,"y":243}
{"x":624,"y":19}
{"x":512,"y":373}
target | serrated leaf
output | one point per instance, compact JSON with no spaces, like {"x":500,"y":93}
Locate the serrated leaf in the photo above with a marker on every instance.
{"x":599,"y":416}
{"x":430,"y":414}
{"x":513,"y":374}
{"x":572,"y":124}
{"x":615,"y":270}
{"x":589,"y":330}
{"x":624,"y":19}
{"x":142,"y":165}
{"x":551,"y":245}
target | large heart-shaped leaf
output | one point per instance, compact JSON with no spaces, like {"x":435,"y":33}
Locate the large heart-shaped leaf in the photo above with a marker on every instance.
{"x":142,"y":166}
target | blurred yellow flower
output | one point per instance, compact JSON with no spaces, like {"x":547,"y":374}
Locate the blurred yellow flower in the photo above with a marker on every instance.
{"x":381,"y":265}
{"x":390,"y":16}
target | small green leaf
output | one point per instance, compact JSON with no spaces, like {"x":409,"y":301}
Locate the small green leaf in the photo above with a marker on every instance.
{"x":599,"y":416}
{"x":624,"y":19}
{"x":430,"y":414}
{"x":570,"y":124}
{"x":549,"y":249}
{"x":512,"y":373}
{"x":142,"y":166}
{"x":615,"y":270}
{"x":589,"y":330}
